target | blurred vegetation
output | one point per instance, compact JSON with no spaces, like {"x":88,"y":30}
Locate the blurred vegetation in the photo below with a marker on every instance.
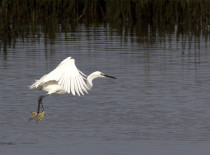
{"x":20,"y":18}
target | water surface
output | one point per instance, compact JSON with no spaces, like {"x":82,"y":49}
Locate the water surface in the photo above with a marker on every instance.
{"x":158,"y":105}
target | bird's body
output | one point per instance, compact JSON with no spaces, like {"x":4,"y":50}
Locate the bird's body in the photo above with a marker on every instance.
{"x":51,"y":87}
{"x":65,"y":78}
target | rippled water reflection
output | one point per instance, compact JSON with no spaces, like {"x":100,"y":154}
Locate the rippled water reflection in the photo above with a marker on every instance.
{"x":158,"y":105}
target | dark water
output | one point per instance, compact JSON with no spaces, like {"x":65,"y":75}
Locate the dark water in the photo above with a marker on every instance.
{"x":159,"y":105}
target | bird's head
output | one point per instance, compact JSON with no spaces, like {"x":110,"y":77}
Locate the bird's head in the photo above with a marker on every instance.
{"x":94,"y":75}
{"x":100,"y":74}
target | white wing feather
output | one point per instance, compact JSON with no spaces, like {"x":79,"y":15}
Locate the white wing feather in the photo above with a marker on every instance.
{"x":68,"y":76}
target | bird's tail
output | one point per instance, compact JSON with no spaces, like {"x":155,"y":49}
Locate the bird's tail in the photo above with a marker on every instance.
{"x":37,"y":83}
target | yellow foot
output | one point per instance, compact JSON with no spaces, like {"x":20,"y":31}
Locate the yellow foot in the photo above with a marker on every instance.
{"x":41,"y":116}
{"x":36,"y":114}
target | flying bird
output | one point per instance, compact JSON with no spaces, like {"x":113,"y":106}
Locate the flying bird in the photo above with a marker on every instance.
{"x":65,"y":78}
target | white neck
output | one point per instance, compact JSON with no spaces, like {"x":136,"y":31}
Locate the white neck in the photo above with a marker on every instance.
{"x":90,"y":79}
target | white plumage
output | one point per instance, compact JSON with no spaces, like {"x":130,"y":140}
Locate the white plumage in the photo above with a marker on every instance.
{"x":65,"y":78}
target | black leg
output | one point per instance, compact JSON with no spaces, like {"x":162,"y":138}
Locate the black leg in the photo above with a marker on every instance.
{"x":42,"y":107}
{"x":38,"y":109}
{"x":40,"y":103}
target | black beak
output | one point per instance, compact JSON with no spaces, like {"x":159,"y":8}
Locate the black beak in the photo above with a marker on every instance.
{"x":110,"y":76}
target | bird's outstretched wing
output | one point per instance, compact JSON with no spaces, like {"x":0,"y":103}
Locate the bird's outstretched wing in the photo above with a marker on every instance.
{"x":68,"y":76}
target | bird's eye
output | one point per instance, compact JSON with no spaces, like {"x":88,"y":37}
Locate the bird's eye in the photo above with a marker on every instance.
{"x":102,"y":74}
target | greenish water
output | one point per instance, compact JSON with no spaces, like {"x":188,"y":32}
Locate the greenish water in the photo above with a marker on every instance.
{"x":32,"y":18}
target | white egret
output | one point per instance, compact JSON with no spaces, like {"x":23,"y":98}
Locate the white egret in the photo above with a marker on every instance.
{"x":65,"y":78}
